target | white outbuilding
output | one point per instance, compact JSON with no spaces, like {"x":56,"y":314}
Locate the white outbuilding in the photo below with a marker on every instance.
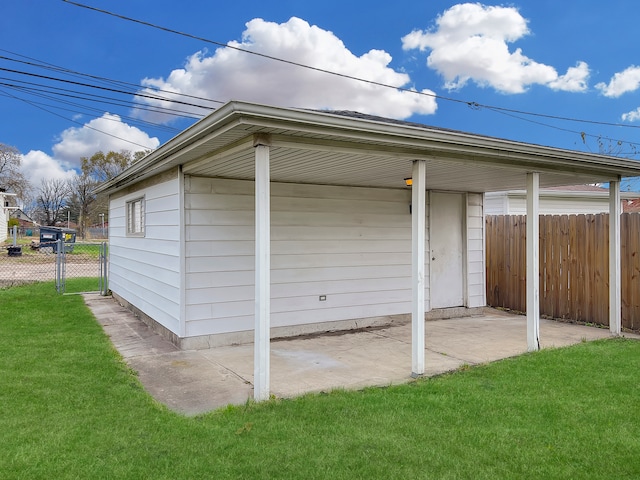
{"x":262,"y":222}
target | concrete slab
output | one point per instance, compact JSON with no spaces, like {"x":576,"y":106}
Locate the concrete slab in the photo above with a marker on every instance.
{"x":185,"y":381}
{"x":321,"y":363}
{"x":197,"y":381}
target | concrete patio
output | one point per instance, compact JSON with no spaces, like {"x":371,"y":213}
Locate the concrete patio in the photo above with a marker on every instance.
{"x":197,"y":381}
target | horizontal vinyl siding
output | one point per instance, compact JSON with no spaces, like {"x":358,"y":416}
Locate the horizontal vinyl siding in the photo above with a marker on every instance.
{"x":560,"y":205}
{"x":3,"y":220}
{"x":145,"y":271}
{"x":351,"y":244}
{"x":516,"y":204}
{"x":475,"y":251}
{"x":326,"y":314}
{"x":204,"y":248}
{"x":496,"y":204}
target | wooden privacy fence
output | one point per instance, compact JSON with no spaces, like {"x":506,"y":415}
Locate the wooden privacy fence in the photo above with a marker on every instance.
{"x":574,"y":266}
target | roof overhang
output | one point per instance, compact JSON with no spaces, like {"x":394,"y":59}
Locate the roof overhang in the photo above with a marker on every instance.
{"x":337,"y":149}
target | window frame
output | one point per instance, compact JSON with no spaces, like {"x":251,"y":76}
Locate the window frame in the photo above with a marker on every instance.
{"x":133,"y":228}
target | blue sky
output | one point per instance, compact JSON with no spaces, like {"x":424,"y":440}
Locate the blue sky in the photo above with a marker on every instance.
{"x":576,"y":59}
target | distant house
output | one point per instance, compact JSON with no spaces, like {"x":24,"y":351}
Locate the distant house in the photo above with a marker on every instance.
{"x":3,"y":216}
{"x":24,"y":219}
{"x":631,"y":205}
{"x":561,"y":200}
{"x":261,"y":221}
{"x":4,"y":213}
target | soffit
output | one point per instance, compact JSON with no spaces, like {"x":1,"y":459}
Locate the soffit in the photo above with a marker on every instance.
{"x":368,"y":164}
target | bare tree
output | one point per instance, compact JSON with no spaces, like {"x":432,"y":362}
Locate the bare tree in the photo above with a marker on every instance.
{"x":98,"y":168}
{"x":52,"y":198}
{"x":102,"y":167}
{"x":82,"y":189}
{"x":611,"y":147}
{"x":11,"y":177}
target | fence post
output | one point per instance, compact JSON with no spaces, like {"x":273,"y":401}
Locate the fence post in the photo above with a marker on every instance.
{"x":59,"y":247}
{"x":103,"y":269}
{"x":101,"y":281}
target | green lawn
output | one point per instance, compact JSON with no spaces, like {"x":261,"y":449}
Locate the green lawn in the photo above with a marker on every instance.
{"x":70,"y":408}
{"x":81,"y":284}
{"x":81,"y":248}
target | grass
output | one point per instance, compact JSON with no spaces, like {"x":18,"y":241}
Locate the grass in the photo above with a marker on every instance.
{"x":70,"y":408}
{"x":81,"y":285}
{"x":90,"y":250}
{"x":81,"y":247}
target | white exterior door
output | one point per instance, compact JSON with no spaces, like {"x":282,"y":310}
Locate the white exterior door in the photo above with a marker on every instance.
{"x":447,"y":247}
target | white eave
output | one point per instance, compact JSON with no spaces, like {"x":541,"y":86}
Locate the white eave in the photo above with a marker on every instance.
{"x":328,"y":148}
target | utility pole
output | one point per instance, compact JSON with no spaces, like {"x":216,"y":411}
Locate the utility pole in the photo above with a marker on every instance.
{"x":101,"y":215}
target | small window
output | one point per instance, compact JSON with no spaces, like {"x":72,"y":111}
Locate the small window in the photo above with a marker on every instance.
{"x":135,"y":217}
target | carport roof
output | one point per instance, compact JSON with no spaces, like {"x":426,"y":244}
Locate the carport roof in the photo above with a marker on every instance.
{"x":349,"y":148}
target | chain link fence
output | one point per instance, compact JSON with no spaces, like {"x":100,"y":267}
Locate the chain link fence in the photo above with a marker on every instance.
{"x":54,"y":261}
{"x":25,"y":234}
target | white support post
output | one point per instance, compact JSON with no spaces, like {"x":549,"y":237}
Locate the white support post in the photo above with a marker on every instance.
{"x":533,"y":262}
{"x":418,"y":223}
{"x":261,"y":364}
{"x":615,"y":290}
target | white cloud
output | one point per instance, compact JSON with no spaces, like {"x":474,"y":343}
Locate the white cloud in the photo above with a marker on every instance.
{"x":229,"y":74}
{"x":470,"y":42}
{"x":622,"y":82}
{"x":632,"y":116}
{"x":107,"y":133}
{"x":37,"y":165}
{"x":575,"y":80}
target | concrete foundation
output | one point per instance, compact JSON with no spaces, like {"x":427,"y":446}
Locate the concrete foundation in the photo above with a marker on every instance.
{"x":203,"y":342}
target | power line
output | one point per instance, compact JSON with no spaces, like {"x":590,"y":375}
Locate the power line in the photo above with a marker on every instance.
{"x":92,"y":97}
{"x":74,"y":121}
{"x":583,"y":135}
{"x":50,"y":92}
{"x":39,"y":89}
{"x":471,"y":104}
{"x":259,"y":54}
{"x":57,"y":68}
{"x":554,"y":117}
{"x":103,"y":88}
{"x":93,"y":110}
{"x":58,"y":94}
{"x":127,"y":88}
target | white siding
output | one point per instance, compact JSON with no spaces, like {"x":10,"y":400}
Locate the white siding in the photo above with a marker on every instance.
{"x":3,"y":219}
{"x":351,"y":244}
{"x":551,"y":203}
{"x":476,"y":290}
{"x":145,"y":271}
{"x":561,"y":205}
{"x":496,"y":203}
